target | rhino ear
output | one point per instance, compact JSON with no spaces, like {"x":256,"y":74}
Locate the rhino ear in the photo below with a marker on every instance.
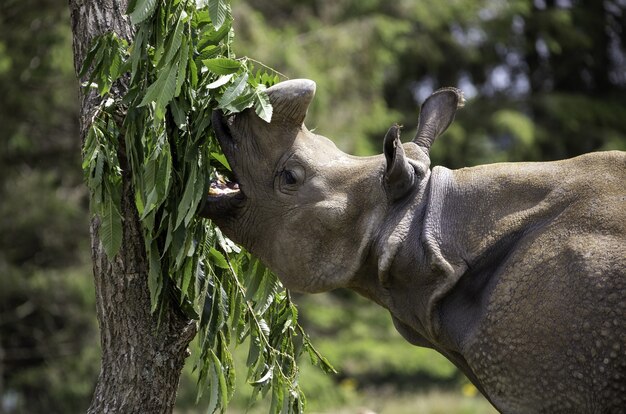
{"x":291,"y":99}
{"x":399,"y":174}
{"x":436,"y":115}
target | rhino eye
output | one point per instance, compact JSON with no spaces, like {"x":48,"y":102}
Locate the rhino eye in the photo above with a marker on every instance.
{"x":289,"y":177}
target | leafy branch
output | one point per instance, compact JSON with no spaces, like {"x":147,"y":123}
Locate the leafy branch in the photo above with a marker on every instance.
{"x":179,"y":68}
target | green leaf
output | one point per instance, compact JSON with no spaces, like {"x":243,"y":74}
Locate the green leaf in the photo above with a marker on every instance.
{"x":136,"y":53}
{"x":198,"y":193}
{"x":155,"y":283}
{"x":186,"y":248}
{"x":193,"y":72}
{"x":222,"y":66}
{"x":264,"y":327}
{"x":182,"y":67}
{"x":254,"y":351}
{"x":318,"y":359}
{"x":164,"y":175}
{"x":98,"y":170}
{"x":95,"y":48}
{"x":266,"y":377}
{"x":219,"y":82}
{"x":110,"y":228}
{"x":233,"y":91}
{"x":174,"y":41}
{"x":262,"y":104}
{"x":277,"y":398}
{"x":221,"y":158}
{"x":218,"y":258}
{"x":210,"y":52}
{"x":169,"y":87}
{"x":221,"y":379}
{"x":243,"y":101}
{"x":253,"y":278}
{"x":143,"y":10}
{"x":115,"y":67}
{"x":214,"y":386}
{"x":187,"y":273}
{"x":179,"y":115}
{"x":159,"y":33}
{"x":188,"y":196}
{"x":149,"y":180}
{"x":214,"y":36}
{"x":264,"y":295}
{"x":163,"y":89}
{"x":131,"y":6}
{"x":218,"y":10}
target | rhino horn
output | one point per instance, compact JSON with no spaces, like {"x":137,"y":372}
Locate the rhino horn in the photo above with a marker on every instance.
{"x":399,"y":174}
{"x":436,"y":115}
{"x":291,"y":99}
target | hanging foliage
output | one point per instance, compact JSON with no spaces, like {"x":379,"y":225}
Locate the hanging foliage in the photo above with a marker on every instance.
{"x":177,"y":70}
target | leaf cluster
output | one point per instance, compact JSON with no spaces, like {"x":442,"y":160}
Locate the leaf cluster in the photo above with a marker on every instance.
{"x":257,"y":310}
{"x":177,"y":70}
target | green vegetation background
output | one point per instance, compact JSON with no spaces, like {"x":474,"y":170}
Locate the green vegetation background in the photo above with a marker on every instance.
{"x":545,"y":79}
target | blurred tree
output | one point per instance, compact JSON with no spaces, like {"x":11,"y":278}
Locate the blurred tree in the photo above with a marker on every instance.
{"x":48,"y":351}
{"x":545,"y":79}
{"x":38,"y":107}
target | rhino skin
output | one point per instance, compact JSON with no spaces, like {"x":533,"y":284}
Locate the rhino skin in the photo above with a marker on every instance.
{"x":516,"y":272}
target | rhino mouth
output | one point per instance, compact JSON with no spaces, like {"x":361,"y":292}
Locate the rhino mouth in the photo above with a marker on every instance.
{"x":224,"y":194}
{"x":223,"y":185}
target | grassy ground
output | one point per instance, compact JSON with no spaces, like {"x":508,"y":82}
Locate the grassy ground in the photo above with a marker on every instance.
{"x":433,"y":402}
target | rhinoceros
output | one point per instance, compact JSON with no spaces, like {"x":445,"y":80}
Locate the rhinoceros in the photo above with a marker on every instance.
{"x":515,"y":272}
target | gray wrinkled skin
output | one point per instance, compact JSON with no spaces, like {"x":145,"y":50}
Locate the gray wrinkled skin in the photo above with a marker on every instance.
{"x":516,"y":272}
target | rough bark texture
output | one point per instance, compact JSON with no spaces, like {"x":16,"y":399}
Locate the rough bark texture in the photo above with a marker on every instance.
{"x":141,"y":359}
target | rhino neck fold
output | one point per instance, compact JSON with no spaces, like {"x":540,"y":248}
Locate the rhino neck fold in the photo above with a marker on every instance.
{"x":472,"y":220}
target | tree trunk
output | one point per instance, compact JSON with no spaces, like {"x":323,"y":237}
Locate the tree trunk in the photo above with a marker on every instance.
{"x":142,"y":357}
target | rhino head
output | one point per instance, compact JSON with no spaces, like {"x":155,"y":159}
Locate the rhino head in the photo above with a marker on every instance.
{"x":310,"y":212}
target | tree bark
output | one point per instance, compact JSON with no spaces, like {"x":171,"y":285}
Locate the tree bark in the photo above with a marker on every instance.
{"x":142,"y":357}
